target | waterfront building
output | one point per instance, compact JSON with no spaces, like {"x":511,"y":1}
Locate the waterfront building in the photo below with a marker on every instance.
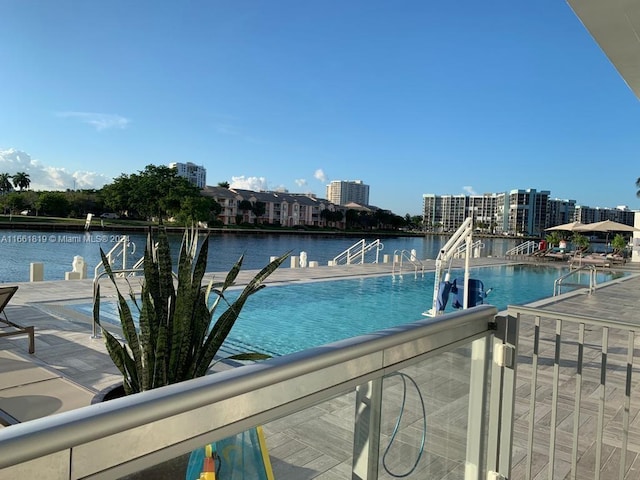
{"x":515,"y":212}
{"x":560,"y":212}
{"x":485,"y":211}
{"x":273,"y":208}
{"x":196,"y":174}
{"x":344,"y":192}
{"x":527,"y":212}
{"x":620,"y":214}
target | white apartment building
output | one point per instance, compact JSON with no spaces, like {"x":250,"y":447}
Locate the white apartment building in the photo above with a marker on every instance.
{"x":517,"y":212}
{"x":620,"y":214}
{"x":196,"y":174}
{"x":280,"y":208}
{"x":343,"y":192}
{"x":514,"y":212}
{"x":560,"y":211}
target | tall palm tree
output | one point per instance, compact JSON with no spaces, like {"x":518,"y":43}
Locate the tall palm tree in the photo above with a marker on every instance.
{"x":638,"y":187}
{"x":21,"y":180}
{"x":5,"y":183}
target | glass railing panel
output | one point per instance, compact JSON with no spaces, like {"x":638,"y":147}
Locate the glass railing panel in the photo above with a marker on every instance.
{"x":313,"y":442}
{"x":425,"y":415}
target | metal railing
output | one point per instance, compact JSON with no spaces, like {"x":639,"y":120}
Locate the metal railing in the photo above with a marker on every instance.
{"x":356,"y":253}
{"x":475,"y":248}
{"x":144,"y":430}
{"x":583,"y":395}
{"x":560,"y":281}
{"x":526,"y":248}
{"x":120,"y":249}
{"x":402,"y":256}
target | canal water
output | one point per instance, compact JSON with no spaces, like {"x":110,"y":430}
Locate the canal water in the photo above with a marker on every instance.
{"x":56,"y":250}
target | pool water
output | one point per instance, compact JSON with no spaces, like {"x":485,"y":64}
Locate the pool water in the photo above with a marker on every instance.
{"x":284,"y":319}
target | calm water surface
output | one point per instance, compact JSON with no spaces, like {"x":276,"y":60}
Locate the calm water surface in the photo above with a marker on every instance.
{"x":18,"y":248}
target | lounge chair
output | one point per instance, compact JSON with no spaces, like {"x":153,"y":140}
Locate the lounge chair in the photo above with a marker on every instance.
{"x":556,"y":256}
{"x":9,"y":328}
{"x":597,"y":260}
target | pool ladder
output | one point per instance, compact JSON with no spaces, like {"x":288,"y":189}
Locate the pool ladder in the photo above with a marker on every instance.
{"x":399,"y":258}
{"x":557,"y":285}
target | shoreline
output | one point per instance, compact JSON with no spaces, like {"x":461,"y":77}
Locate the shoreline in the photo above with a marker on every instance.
{"x":110,"y":227}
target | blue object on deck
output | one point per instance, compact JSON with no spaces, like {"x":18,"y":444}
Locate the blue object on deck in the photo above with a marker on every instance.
{"x":240,"y":457}
{"x":443,"y":295}
{"x":475,"y":296}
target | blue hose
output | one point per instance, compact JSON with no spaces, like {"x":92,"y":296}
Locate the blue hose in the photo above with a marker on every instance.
{"x":404,"y":377}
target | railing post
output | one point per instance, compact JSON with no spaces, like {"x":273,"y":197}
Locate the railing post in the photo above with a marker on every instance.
{"x":476,"y":421}
{"x":502,"y":402}
{"x":366,"y":435}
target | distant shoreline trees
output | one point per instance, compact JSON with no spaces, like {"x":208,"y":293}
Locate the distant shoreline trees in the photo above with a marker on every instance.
{"x":159,"y":194}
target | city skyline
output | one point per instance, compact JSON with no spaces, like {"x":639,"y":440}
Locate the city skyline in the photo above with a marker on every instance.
{"x":461,"y":98}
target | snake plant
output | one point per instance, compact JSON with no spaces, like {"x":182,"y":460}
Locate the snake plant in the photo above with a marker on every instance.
{"x":175,"y":340}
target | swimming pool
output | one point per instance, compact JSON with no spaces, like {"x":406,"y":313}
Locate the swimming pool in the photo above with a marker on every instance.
{"x":284,"y":319}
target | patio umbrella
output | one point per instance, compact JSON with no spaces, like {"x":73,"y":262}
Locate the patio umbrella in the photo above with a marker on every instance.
{"x":605,"y":226}
{"x":567,"y":227}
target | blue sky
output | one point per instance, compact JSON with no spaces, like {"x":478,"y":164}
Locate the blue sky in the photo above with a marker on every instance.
{"x":410,"y":97}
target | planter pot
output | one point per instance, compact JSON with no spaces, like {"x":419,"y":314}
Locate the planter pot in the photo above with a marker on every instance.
{"x":174,"y":468}
{"x":109,"y":393}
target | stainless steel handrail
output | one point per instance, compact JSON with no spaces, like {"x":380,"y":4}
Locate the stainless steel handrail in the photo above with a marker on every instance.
{"x":398,"y":259}
{"x":557,"y":284}
{"x":349,"y":257}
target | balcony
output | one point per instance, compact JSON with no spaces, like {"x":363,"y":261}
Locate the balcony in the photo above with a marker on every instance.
{"x":448,"y":397}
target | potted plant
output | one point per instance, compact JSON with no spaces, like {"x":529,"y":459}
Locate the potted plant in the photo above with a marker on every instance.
{"x":619,"y":244}
{"x":580,"y":242}
{"x":174,"y":339}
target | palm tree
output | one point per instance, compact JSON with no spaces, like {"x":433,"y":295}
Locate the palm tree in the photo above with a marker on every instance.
{"x":5,"y":183}
{"x":21,"y":180}
{"x":638,"y":187}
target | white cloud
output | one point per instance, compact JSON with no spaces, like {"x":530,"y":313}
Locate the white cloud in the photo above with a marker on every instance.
{"x":319,"y":175}
{"x":256,"y":184}
{"x":469,"y":190}
{"x":44,"y":177}
{"x":101,"y":121}
{"x":301,"y":182}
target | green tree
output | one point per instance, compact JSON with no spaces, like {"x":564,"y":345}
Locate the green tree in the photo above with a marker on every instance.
{"x":553,"y":238}
{"x":5,"y":183}
{"x":21,"y":180}
{"x":54,"y":204}
{"x":580,"y":241}
{"x":157,"y":192}
{"x":638,"y":187}
{"x":245,"y":206}
{"x":223,"y":184}
{"x":619,"y":244}
{"x":15,"y":202}
{"x":259,"y":209}
{"x":352,"y":218}
{"x":198,"y":209}
{"x":82,"y":202}
{"x":331,"y":217}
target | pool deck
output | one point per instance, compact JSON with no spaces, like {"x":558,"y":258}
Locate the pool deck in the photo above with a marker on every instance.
{"x":69,"y":367}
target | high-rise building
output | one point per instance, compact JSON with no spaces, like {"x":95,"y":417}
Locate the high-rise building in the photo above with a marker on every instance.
{"x":560,"y":211}
{"x":518,"y":211}
{"x":527,"y":211}
{"x":196,"y":174}
{"x":343,"y":192}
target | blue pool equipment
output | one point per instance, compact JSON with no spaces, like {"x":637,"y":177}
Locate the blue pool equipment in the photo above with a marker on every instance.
{"x":475,"y":296}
